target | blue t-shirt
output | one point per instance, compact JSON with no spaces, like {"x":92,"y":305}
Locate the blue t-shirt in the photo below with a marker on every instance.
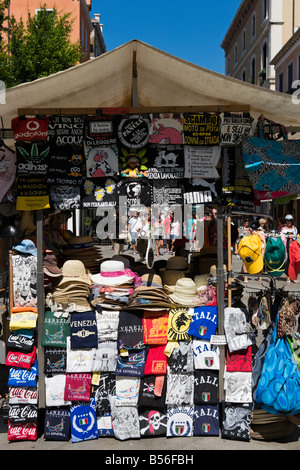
{"x":204,"y":322}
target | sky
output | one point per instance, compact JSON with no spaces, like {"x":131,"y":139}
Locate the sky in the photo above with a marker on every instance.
{"x":192,"y":30}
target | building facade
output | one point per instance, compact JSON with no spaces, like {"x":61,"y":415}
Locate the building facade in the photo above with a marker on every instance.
{"x":287,"y":65}
{"x":85,"y":30}
{"x":257,"y":33}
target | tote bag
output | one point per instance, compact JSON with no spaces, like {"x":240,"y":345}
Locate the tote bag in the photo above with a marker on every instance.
{"x":278,"y":389}
{"x":273,"y":167}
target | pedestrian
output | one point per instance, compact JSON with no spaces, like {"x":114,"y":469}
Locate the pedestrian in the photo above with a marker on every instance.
{"x":158,"y":234}
{"x":134,"y":226}
{"x":166,"y":230}
{"x":288,"y":233}
{"x":174,"y":232}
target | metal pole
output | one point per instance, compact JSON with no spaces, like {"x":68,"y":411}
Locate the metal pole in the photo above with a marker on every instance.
{"x":220,"y":294}
{"x":41,"y":307}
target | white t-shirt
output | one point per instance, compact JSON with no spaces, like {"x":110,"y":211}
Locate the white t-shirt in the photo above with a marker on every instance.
{"x":135,"y":224}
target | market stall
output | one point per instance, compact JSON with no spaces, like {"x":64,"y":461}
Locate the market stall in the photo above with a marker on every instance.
{"x":103,"y":334}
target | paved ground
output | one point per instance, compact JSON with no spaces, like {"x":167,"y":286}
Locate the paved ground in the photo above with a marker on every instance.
{"x":190,"y":447}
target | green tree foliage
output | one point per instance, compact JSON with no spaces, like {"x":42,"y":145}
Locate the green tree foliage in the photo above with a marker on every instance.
{"x":39,"y":49}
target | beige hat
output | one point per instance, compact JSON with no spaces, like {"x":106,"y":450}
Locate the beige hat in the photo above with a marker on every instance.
{"x":185,"y":293}
{"x":213,"y":270}
{"x":74,"y":270}
{"x":171,"y":276}
{"x":201,"y":280}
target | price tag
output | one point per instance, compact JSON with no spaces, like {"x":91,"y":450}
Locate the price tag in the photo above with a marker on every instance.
{"x":219,"y":340}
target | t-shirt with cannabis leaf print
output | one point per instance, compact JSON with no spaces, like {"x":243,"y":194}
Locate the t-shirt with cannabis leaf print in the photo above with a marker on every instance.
{"x":32,"y":158}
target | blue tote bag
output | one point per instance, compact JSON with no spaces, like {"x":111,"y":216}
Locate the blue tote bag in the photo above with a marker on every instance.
{"x":278,"y":389}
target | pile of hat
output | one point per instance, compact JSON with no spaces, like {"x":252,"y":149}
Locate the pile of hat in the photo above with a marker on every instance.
{"x":150,"y":293}
{"x":83,"y":249}
{"x":176,"y":268}
{"x":113,"y":285}
{"x":73,"y":288}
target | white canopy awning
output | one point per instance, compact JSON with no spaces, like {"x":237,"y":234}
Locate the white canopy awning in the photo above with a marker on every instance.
{"x":139,"y":75}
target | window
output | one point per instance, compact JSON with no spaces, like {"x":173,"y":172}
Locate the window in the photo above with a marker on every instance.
{"x":243,"y":75}
{"x":280,"y":82}
{"x":265,"y":9}
{"x":253,"y":25}
{"x":228,"y":66}
{"x":290,"y":76}
{"x":253,"y":71}
{"x":235,"y":54}
{"x":298,"y":67}
{"x":244,"y":40}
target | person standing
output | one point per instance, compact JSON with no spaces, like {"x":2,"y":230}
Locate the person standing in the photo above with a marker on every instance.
{"x":288,"y":233}
{"x":134,"y":226}
{"x":167,"y":228}
{"x":158,"y":234}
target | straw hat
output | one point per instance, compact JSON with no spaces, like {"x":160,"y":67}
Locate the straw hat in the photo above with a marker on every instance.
{"x":185,"y":293}
{"x":213,"y":270}
{"x":112,"y":273}
{"x":201,"y":280}
{"x":74,"y":270}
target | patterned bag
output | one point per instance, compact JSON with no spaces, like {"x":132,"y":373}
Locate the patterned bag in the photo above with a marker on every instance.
{"x":273,"y":166}
{"x":278,"y":389}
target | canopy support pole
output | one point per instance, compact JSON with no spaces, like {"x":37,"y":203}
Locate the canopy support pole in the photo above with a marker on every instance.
{"x":220,"y":297}
{"x":40,"y":307}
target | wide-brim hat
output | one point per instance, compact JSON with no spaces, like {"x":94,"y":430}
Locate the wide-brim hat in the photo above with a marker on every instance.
{"x":275,"y":256}
{"x":50,"y":265}
{"x":74,"y":270}
{"x":177,"y":263}
{"x":213,"y":270}
{"x":249,"y":250}
{"x":170,"y":277}
{"x":26,"y":246}
{"x":112,"y":273}
{"x":201,"y":280}
{"x":185,"y":293}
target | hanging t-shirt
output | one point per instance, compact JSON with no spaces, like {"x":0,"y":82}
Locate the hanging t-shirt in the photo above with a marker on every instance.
{"x":22,"y":432}
{"x":83,"y":330}
{"x":8,"y":168}
{"x":152,"y":422}
{"x":104,"y":391}
{"x":131,"y":364}
{"x":180,"y":389}
{"x":100,"y":130}
{"x":130,"y":332}
{"x":238,"y":387}
{"x":239,"y":361}
{"x":23,"y":377}
{"x":206,"y":420}
{"x":134,"y":192}
{"x":29,"y":129}
{"x":155,"y":326}
{"x":165,"y":161}
{"x":22,"y":414}
{"x":206,"y":355}
{"x":127,"y":391}
{"x":101,"y":160}
{"x":201,"y":162}
{"x":79,"y":360}
{"x":78,"y":387}
{"x":98,"y":192}
{"x":107,"y":325}
{"x":206,"y":387}
{"x":201,"y":129}
{"x":57,"y":424}
{"x":125,"y":420}
{"x":133,"y":130}
{"x":156,"y":360}
{"x":180,"y":421}
{"x":66,"y":130}
{"x":55,"y":330}
{"x":152,"y":392}
{"x":55,"y":390}
{"x":237,"y":329}
{"x":236,"y":422}
{"x":182,"y":358}
{"x":204,"y":322}
{"x":104,"y":424}
{"x":55,"y":360}
{"x":166,"y":128}
{"x":83,"y":422}
{"x":105,"y":357}
{"x":178,"y":324}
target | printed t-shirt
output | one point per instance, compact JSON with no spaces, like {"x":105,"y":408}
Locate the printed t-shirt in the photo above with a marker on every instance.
{"x":206,"y":387}
{"x":152,"y":392}
{"x":55,"y":390}
{"x":104,"y":391}
{"x":238,"y":387}
{"x":236,"y":422}
{"x":180,"y":421}
{"x":178,"y":324}
{"x":152,"y":422}
{"x":55,"y":331}
{"x":155,"y":327}
{"x":132,"y":364}
{"x":57,"y":424}
{"x":83,"y":330}
{"x":127,"y":391}
{"x":206,"y":420}
{"x":206,"y":355}
{"x":55,"y":360}
{"x":130,"y":333}
{"x":182,"y":358}
{"x":78,"y":387}
{"x":204,"y":322}
{"x":180,"y":389}
{"x":83,"y":422}
{"x":156,"y":361}
{"x":239,"y":361}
